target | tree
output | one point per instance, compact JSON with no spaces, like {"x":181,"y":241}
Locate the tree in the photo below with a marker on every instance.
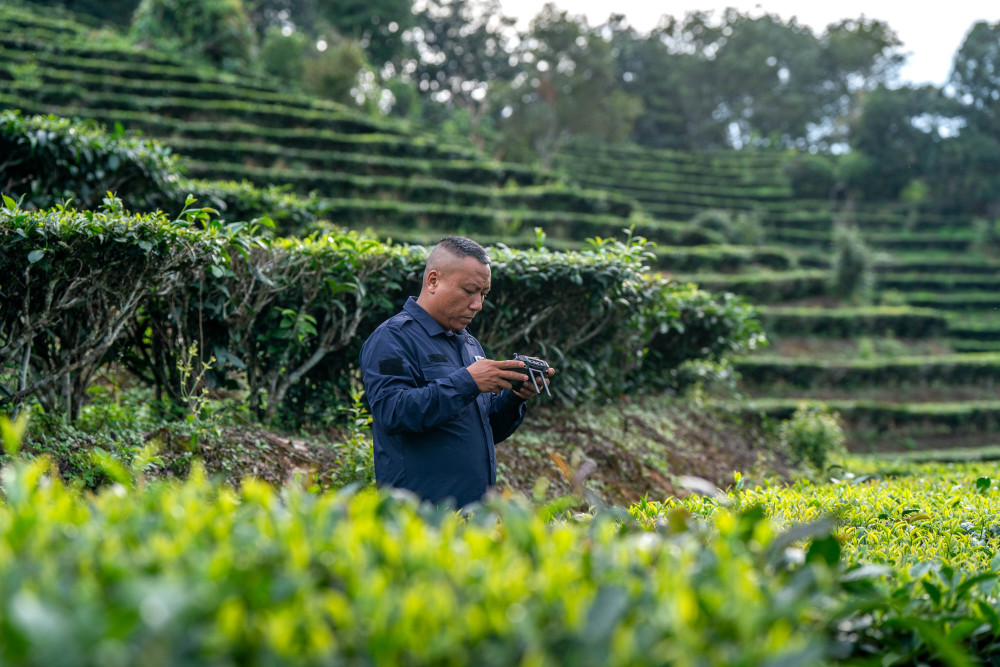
{"x":377,"y":25}
{"x":858,"y":55}
{"x":975,"y":74}
{"x":674,"y":115}
{"x":461,"y":47}
{"x":566,"y":87}
{"x":709,"y":82}
{"x":975,"y":80}
{"x":112,"y":11}
{"x":897,"y":137}
{"x":216,"y":30}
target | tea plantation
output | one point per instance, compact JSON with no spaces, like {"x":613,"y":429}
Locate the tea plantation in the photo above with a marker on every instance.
{"x":911,"y":365}
{"x":350,"y":169}
{"x":189,"y":480}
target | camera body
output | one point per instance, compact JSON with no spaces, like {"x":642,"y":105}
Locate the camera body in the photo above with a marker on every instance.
{"x":533,"y":365}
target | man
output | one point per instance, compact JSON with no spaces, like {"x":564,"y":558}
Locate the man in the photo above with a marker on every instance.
{"x":438,"y":405}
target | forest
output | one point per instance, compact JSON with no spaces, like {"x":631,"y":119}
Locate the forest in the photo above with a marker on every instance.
{"x":764,"y":267}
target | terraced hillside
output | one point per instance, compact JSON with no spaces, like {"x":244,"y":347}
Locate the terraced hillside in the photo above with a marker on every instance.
{"x":918,"y":368}
{"x":364,"y":172}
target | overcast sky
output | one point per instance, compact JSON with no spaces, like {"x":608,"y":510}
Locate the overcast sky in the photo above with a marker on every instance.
{"x":931,"y":34}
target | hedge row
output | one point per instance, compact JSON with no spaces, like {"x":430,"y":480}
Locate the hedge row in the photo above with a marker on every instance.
{"x":957,"y":301}
{"x":50,"y":160}
{"x":421,"y":190}
{"x":766,"y":286}
{"x":180,"y":106}
{"x":115,"y":63}
{"x":655,"y":187}
{"x":74,"y":282}
{"x":285,"y":318}
{"x":936,"y":263}
{"x":801,"y":221}
{"x":900,"y":419}
{"x":719,"y":258}
{"x":377,"y":144}
{"x":148,"y":81}
{"x":359,"y":163}
{"x":975,"y":345}
{"x":901,"y":241}
{"x":896,"y":321}
{"x":675,"y":201}
{"x":685,"y":211}
{"x":938,"y":282}
{"x":948,"y":369}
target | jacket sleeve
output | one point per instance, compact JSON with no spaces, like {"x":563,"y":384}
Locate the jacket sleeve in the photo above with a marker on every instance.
{"x":401,"y":399}
{"x":506,"y":414}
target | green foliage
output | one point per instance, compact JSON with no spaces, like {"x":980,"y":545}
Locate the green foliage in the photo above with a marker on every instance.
{"x":333,"y":74}
{"x":566,"y":87}
{"x":197,"y":573}
{"x":283,"y":318}
{"x":217,"y":31}
{"x":284,"y":56}
{"x":852,"y":277}
{"x":49,"y":160}
{"x":899,"y":567}
{"x":812,"y":435}
{"x":738,"y":228}
{"x":902,"y":321}
{"x":106,"y":11}
{"x":78,"y":279}
{"x":688,"y":324}
{"x":917,"y":547}
{"x":812,"y":176}
{"x":874,"y":423}
{"x":766,"y":286}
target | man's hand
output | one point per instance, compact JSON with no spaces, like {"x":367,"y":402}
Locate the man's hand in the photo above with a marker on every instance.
{"x":495,"y":376}
{"x":527,"y":389}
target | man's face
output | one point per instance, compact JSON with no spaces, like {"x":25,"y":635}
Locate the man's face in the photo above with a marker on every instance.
{"x":456,"y":292}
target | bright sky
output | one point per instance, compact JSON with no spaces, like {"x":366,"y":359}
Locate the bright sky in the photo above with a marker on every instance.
{"x":931,"y":34}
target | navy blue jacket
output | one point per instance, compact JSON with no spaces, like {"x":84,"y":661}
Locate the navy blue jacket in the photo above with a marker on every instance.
{"x":434,"y":431}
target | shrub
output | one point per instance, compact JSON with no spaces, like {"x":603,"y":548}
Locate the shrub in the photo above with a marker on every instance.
{"x":853,"y":275}
{"x":811,"y":176}
{"x":812,"y":434}
{"x":216,"y":30}
{"x":714,"y":219}
{"x":48,"y":160}
{"x":76,"y":280}
{"x":284,"y":56}
{"x":686,"y":323}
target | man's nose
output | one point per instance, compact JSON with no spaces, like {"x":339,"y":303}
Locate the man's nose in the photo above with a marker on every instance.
{"x":477,"y":303}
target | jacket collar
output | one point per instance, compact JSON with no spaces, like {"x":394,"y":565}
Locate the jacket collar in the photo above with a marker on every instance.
{"x":429,"y":324}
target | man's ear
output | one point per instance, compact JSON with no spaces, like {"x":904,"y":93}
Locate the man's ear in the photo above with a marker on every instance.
{"x":433,"y":279}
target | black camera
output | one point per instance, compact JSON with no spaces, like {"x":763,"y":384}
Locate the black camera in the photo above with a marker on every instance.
{"x":532,"y":365}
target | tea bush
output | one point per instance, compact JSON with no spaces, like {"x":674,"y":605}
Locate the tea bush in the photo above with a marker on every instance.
{"x":49,"y":160}
{"x":918,"y":544}
{"x":74,"y":281}
{"x":283,"y":319}
{"x":812,"y":435}
{"x":896,"y":569}
{"x":197,"y":573}
{"x":853,"y":276}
